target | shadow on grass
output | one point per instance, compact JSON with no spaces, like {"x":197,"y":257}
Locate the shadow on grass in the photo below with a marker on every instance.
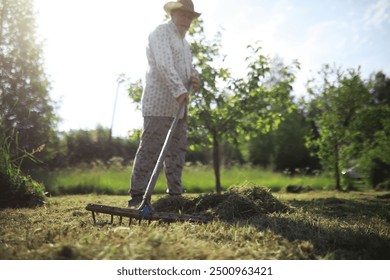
{"x":336,"y":228}
{"x":342,"y":243}
{"x":346,"y":208}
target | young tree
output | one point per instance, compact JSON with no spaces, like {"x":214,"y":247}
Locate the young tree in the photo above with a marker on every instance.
{"x":370,"y":136}
{"x":264,"y":94}
{"x":25,"y":106}
{"x":212,"y":114}
{"x":336,"y":103}
{"x":286,"y":127}
{"x":229,"y":110}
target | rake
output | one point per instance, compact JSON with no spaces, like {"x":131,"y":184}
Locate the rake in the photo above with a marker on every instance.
{"x":134,"y":214}
{"x":146,"y":210}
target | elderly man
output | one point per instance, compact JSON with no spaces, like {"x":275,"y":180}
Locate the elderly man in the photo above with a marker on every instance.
{"x":168,"y":82}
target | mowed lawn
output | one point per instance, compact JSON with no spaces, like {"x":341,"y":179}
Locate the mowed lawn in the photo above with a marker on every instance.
{"x":313,"y":225}
{"x":255,"y":219}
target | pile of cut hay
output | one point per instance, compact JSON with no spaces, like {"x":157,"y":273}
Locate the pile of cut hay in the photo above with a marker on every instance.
{"x":238,"y":202}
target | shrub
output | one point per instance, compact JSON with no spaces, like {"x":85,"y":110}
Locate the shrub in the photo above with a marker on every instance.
{"x":384,"y":186}
{"x":16,"y":189}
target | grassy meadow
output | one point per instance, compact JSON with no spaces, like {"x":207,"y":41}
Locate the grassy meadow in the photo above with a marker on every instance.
{"x":196,"y":179}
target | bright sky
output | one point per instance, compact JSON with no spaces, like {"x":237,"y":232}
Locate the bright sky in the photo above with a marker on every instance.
{"x":88,"y":43}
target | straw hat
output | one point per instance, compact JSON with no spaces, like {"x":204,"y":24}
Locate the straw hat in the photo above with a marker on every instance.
{"x":184,"y":5}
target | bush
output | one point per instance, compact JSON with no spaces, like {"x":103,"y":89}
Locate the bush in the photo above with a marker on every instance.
{"x":384,"y":186}
{"x":374,"y":170}
{"x":379,"y":173}
{"x":16,"y":189}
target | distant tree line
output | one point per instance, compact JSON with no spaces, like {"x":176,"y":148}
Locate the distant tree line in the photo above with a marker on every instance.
{"x":343,"y":122}
{"x":89,"y":147}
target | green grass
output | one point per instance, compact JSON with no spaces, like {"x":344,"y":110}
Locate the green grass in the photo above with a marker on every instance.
{"x":274,"y":181}
{"x":17,"y":189}
{"x":319,"y":225}
{"x":196,"y":179}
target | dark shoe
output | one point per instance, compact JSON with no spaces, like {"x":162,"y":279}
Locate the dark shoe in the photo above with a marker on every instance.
{"x":135,"y":201}
{"x":175,"y":194}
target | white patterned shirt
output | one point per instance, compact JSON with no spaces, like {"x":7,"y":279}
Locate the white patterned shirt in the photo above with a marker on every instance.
{"x":170,"y":69}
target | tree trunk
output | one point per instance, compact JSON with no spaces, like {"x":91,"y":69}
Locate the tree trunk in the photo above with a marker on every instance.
{"x":337,"y":168}
{"x":216,"y":163}
{"x":3,"y":11}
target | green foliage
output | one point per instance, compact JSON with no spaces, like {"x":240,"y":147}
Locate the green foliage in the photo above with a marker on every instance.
{"x":383,"y":186}
{"x":263,"y":96}
{"x":264,"y":102}
{"x":25,"y":105}
{"x":135,"y":90}
{"x":291,"y":153}
{"x":370,"y":136}
{"x":337,"y":103}
{"x":88,"y":146}
{"x":209,"y":109}
{"x":16,"y":189}
{"x":284,"y":148}
{"x":381,"y":89}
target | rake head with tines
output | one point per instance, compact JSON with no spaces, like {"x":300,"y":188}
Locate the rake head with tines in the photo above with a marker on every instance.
{"x":143,"y":214}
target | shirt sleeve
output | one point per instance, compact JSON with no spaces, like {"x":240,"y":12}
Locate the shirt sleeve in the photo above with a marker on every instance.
{"x":159,"y":44}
